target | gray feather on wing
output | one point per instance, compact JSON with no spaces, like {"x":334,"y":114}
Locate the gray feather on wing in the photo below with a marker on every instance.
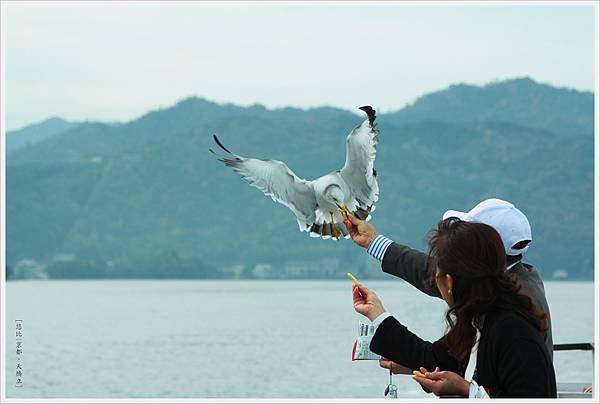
{"x":276,"y":180}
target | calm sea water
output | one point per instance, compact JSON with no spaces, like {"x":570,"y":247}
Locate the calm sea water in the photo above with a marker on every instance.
{"x":262,"y":339}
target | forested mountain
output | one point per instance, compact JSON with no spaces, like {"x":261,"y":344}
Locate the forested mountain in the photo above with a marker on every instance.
{"x":147,"y":199}
{"x":32,"y":134}
{"x":520,"y":101}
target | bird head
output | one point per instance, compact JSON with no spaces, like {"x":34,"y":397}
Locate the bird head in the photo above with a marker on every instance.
{"x":333,"y":194}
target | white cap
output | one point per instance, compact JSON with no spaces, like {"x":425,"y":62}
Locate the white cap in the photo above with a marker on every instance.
{"x":509,"y":222}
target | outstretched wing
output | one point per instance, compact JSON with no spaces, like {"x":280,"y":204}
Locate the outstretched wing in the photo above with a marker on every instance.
{"x":276,"y":180}
{"x":358,"y":172}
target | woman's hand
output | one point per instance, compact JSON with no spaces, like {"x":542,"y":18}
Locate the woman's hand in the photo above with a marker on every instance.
{"x":443,"y":383}
{"x":366,"y":302}
{"x":396,"y":368}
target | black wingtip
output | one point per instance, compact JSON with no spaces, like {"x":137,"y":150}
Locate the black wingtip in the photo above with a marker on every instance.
{"x":370,"y":113}
{"x":218,"y":142}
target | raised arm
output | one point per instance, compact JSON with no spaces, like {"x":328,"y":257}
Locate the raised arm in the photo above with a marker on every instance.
{"x":396,"y":259}
{"x":410,"y":265}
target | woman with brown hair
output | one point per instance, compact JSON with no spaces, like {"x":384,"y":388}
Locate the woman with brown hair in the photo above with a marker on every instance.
{"x":494,"y":344}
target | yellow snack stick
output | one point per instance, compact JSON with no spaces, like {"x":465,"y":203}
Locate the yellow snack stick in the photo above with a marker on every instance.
{"x":418,"y":373}
{"x":352,"y":278}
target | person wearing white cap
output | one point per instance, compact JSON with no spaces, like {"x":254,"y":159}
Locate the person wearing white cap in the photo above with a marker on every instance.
{"x":411,"y":265}
{"x":509,"y":222}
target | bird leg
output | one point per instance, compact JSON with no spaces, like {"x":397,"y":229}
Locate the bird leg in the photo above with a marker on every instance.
{"x":335,"y":232}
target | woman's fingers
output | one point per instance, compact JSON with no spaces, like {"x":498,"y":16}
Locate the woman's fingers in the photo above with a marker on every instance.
{"x":385,"y":363}
{"x":357,"y":297}
{"x":362,"y":291}
{"x":366,"y":302}
{"x":399,"y":369}
{"x":425,"y":371}
{"x":425,"y":382}
{"x":437,"y":375}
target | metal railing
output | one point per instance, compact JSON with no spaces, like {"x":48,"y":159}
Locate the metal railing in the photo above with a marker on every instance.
{"x":575,"y":390}
{"x":584,"y":346}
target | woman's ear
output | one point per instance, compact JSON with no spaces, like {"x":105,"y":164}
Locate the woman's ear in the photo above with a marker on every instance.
{"x":449,"y":283}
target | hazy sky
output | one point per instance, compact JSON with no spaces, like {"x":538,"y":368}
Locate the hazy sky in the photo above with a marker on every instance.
{"x":115,"y":61}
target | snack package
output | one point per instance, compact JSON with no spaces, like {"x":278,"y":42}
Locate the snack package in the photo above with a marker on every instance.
{"x":360,"y":350}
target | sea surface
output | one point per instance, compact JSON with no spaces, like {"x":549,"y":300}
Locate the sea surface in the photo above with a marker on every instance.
{"x":229,"y":339}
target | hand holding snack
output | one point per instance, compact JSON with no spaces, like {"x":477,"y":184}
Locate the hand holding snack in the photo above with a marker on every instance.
{"x":442,"y":383}
{"x":366,"y":302}
{"x":362,"y":232}
{"x":422,"y":372}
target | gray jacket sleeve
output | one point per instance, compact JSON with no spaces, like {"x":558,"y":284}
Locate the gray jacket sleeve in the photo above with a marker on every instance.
{"x":410,"y":265}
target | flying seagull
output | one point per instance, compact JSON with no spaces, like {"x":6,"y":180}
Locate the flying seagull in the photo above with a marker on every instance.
{"x":320,"y":204}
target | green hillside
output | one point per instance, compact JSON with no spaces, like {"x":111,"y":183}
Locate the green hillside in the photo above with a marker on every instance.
{"x":32,"y":134}
{"x":147,"y":199}
{"x":519,"y":101}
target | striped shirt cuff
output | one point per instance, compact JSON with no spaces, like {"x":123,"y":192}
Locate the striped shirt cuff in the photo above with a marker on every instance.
{"x":379,"y":246}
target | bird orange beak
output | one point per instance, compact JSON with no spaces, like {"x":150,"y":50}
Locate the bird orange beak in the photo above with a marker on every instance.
{"x":343,"y":210}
